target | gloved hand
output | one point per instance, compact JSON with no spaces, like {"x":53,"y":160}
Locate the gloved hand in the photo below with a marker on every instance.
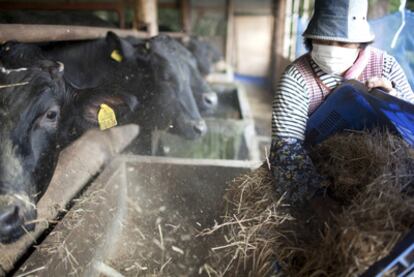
{"x":295,"y":177}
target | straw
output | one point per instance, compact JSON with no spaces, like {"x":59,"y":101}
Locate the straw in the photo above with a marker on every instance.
{"x":371,"y":175}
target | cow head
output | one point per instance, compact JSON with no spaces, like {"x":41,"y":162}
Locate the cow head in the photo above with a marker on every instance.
{"x":205,"y":97}
{"x":116,"y":84}
{"x":86,"y":104}
{"x":16,"y":55}
{"x":177,"y":107}
{"x":31,"y":107}
{"x":205,"y":54}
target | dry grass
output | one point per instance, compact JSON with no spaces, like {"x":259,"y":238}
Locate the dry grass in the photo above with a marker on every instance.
{"x":370,"y":175}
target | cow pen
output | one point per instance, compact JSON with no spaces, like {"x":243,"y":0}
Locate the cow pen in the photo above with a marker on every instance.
{"x":136,"y":140}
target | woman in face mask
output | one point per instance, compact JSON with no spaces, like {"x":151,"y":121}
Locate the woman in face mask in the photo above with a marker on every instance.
{"x":338,"y":38}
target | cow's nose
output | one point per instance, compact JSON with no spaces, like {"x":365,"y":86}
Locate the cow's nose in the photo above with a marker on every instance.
{"x":210,"y":99}
{"x":15,"y":221}
{"x":200,"y":127}
{"x":9,"y":215}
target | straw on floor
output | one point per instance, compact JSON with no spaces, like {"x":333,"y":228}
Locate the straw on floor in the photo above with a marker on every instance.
{"x":372,"y":176}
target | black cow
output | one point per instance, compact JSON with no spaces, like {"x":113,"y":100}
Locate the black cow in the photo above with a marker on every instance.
{"x":146,"y":73}
{"x":17,"y":55}
{"x":174,"y":78}
{"x":32,"y":104}
{"x":204,"y":52}
{"x":205,"y":97}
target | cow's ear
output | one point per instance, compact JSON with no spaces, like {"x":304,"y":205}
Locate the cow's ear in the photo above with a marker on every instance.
{"x":117,"y":103}
{"x":123,"y":47}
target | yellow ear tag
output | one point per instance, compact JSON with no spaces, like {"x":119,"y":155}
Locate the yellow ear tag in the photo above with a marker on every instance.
{"x":115,"y":55}
{"x":106,"y":117}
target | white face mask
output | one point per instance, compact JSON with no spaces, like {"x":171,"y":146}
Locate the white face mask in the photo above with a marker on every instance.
{"x":334,"y":59}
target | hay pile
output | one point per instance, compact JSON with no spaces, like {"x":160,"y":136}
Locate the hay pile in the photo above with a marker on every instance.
{"x":371,"y":176}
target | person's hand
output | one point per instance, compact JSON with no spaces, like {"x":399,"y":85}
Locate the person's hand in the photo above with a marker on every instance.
{"x":380,"y":82}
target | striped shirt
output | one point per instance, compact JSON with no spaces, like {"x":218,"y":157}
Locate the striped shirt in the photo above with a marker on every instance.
{"x":291,"y":100}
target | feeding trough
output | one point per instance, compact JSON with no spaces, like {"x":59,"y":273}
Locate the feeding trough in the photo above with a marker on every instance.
{"x":140,"y":217}
{"x":231,"y":133}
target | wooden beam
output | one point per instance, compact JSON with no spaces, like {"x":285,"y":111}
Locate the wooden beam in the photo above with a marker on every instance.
{"x":168,"y":5}
{"x":48,"y":6}
{"x":146,"y":15}
{"x":230,"y":32}
{"x":41,"y":33}
{"x":185,"y":6}
{"x":175,"y":34}
{"x":117,"y":7}
{"x":279,"y":61}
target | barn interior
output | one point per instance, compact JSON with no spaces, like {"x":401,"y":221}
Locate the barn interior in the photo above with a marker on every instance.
{"x":114,"y":207}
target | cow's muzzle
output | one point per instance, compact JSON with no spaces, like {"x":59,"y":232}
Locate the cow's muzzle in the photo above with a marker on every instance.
{"x":17,"y":213}
{"x":210,"y":100}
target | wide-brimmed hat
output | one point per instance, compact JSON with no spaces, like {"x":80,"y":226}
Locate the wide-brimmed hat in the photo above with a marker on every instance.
{"x":340,"y":20}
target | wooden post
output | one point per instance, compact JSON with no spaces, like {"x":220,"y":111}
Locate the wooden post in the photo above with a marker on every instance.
{"x":230,"y":32}
{"x":279,"y":60}
{"x":146,"y":15}
{"x":287,"y":32}
{"x":185,"y":6}
{"x":306,"y":9}
{"x":293,"y":34}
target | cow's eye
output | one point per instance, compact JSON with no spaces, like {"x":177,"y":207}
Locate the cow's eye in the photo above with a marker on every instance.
{"x":50,"y":118}
{"x":52,"y":115}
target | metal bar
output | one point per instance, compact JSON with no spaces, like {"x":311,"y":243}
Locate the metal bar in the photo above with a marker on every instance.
{"x":41,"y":33}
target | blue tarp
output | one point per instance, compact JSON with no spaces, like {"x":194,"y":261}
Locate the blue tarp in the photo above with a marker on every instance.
{"x":385,"y":29}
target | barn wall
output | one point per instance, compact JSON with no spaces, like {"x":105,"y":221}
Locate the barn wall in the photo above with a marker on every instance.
{"x":249,"y":7}
{"x":253,"y":44}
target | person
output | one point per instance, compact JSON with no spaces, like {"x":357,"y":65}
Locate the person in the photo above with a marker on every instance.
{"x":338,"y":40}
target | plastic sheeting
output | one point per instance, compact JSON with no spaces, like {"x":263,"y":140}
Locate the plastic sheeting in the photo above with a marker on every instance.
{"x":385,"y":29}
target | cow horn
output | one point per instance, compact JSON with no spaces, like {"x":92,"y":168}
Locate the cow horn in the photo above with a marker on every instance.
{"x":61,"y":66}
{"x":8,"y":71}
{"x":186,"y":40}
